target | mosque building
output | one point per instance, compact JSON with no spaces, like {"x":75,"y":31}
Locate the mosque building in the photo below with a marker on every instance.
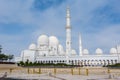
{"x":49,"y":50}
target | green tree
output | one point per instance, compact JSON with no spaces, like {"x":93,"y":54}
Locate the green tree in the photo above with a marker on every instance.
{"x":27,"y":63}
{"x":3,"y":57}
{"x":21,"y":63}
{"x":30,"y":64}
{"x":10,"y":57}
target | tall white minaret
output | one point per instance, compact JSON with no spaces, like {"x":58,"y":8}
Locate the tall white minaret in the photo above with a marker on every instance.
{"x":80,"y":45}
{"x":68,"y":32}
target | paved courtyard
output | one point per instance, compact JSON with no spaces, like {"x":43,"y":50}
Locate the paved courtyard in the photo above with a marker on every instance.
{"x":62,"y":77}
{"x":20,"y":73}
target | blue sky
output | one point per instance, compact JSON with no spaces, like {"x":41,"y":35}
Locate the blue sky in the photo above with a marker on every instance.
{"x":22,"y":21}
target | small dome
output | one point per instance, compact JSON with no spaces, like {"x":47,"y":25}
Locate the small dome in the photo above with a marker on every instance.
{"x":32,"y":47}
{"x":53,"y":41}
{"x":99,"y":51}
{"x":73,"y":52}
{"x":61,"y":50}
{"x":43,"y":40}
{"x":113,"y":51}
{"x":60,"y":47}
{"x":85,"y":52}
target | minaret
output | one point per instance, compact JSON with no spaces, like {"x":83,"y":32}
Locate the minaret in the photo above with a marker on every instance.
{"x":118,"y":53}
{"x":80,"y":46}
{"x":68,"y":33}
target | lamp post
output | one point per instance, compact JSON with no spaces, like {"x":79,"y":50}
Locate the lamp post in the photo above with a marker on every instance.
{"x":118,"y":53}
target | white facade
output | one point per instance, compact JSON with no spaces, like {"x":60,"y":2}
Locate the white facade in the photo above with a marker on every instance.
{"x":49,"y":50}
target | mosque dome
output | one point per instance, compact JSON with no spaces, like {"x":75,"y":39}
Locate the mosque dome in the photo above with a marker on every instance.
{"x":43,"y":40}
{"x":60,"y":47}
{"x":85,"y":52}
{"x":113,"y":51}
{"x":32,"y":46}
{"x":53,"y":41}
{"x":99,"y":51}
{"x":73,"y":52}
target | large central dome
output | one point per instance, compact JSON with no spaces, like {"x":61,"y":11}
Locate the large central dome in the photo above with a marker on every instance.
{"x":43,"y":40}
{"x":53,"y":41}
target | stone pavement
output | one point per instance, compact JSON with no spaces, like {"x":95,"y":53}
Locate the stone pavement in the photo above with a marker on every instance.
{"x":49,"y":76}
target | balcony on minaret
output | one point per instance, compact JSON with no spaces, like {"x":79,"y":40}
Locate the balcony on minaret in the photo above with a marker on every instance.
{"x":68,"y":27}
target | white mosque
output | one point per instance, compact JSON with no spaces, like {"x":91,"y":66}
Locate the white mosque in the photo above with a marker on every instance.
{"x":49,"y":50}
